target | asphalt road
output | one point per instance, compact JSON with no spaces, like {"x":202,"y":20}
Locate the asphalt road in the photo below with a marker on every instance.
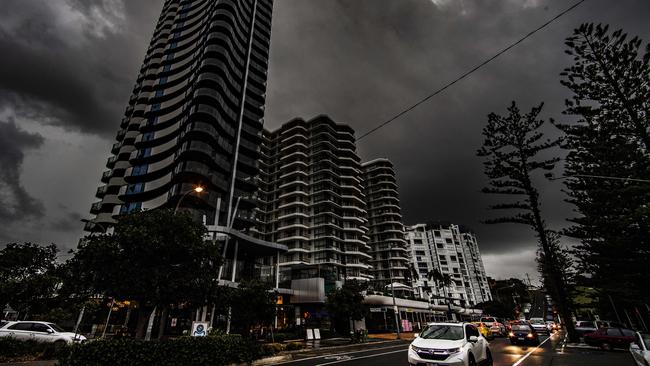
{"x":549,"y":353}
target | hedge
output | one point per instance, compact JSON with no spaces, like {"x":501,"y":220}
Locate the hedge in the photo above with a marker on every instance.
{"x":212,"y":350}
{"x":13,"y":350}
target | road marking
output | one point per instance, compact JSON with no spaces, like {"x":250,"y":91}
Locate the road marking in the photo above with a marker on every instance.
{"x":531,"y":352}
{"x":358,"y":358}
{"x":338,"y":354}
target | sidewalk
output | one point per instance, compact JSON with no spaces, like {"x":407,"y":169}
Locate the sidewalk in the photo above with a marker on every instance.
{"x":392,"y":336}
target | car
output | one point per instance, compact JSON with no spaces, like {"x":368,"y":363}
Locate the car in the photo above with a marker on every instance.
{"x":495,"y":326}
{"x":539,"y":325}
{"x":485,"y":331}
{"x":589,"y":326}
{"x":447,"y":344}
{"x":551,"y":326}
{"x":609,"y":338}
{"x":39,"y":331}
{"x":640,"y":349}
{"x":523,"y":333}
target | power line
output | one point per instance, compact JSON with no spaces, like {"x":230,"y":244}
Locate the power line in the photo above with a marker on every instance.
{"x":476,"y":68}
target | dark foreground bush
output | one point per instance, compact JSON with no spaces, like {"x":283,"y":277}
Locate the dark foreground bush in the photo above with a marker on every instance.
{"x":14,"y":350}
{"x":214,"y":350}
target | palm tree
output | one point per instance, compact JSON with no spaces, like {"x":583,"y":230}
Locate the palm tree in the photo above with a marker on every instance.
{"x":441,"y":280}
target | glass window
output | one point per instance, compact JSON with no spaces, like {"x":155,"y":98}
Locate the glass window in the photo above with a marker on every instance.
{"x":41,"y":328}
{"x":56,"y":327}
{"x":446,"y":332}
{"x":160,"y":93}
{"x":163,"y":80}
{"x":522,"y":327}
{"x":21,"y":326}
{"x":155,"y":107}
{"x":615,"y":332}
{"x":152,"y":121}
{"x":471,"y":331}
{"x":140,"y":170}
{"x":167,"y":68}
{"x":627,"y":333}
{"x":148,"y":136}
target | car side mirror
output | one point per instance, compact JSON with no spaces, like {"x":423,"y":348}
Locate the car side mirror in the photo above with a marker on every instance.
{"x":416,"y":335}
{"x":634,"y":347}
{"x":50,"y":331}
{"x":473,"y":339}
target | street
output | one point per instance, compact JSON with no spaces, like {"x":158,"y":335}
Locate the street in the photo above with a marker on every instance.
{"x":549,"y":353}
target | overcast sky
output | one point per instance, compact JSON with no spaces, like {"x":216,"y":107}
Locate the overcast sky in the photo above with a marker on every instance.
{"x":68,"y":66}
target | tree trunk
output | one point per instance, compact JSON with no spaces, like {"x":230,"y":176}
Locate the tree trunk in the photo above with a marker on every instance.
{"x":143,"y":318}
{"x":162,"y":323}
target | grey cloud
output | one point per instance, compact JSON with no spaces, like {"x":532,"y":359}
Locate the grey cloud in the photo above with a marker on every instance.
{"x":15,"y":203}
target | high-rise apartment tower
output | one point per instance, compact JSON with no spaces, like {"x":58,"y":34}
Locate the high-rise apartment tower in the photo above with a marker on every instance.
{"x":195,"y":115}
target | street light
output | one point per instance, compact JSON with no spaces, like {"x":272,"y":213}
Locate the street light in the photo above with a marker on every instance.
{"x":197,"y":189}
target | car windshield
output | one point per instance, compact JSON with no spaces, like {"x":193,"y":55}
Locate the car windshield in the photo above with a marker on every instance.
{"x":586,"y":324}
{"x":56,"y":327}
{"x":646,"y":340}
{"x":521,"y":327}
{"x":488,"y":320}
{"x":536,"y":321}
{"x":446,"y":332}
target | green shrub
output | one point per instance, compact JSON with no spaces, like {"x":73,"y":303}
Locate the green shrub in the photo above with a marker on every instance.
{"x":294,"y":346}
{"x":271,"y":349}
{"x":12,"y":349}
{"x":213,"y":350}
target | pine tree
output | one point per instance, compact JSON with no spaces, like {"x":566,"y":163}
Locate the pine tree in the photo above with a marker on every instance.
{"x":610,"y":81}
{"x":512,"y":148}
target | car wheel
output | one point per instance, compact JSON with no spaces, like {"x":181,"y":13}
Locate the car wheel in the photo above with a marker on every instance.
{"x":488,"y":357}
{"x":58,"y":345}
{"x":471,"y":361}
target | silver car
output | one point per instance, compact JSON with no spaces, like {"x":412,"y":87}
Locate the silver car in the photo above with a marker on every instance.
{"x":39,"y":331}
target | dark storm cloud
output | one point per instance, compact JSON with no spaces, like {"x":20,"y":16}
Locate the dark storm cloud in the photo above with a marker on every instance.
{"x":15,"y":203}
{"x":362,"y":61}
{"x":72,"y":63}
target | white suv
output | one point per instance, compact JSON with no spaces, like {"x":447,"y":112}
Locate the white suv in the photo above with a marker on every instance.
{"x":39,"y":331}
{"x":450,"y":344}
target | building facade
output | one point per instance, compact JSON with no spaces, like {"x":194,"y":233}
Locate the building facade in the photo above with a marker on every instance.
{"x":454,"y":254}
{"x":386,"y":235}
{"x":311,"y":199}
{"x":195,"y":115}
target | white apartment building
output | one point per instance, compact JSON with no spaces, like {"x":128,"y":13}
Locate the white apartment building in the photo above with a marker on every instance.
{"x":452,"y":253}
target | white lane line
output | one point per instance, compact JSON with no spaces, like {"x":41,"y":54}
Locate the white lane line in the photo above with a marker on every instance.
{"x":530,"y":353}
{"x":358,"y":358}
{"x":338,"y":354}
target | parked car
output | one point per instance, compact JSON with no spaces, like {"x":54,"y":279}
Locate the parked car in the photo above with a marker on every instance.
{"x":640,"y":349}
{"x":40,"y":332}
{"x":609,"y":338}
{"x":445,"y":344}
{"x":539,"y":325}
{"x":497,"y":328}
{"x":523,"y":333}
{"x":588,"y":326}
{"x":484,"y":330}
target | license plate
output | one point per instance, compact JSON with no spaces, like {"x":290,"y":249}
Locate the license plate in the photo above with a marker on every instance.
{"x":521,"y":338}
{"x":432,"y":364}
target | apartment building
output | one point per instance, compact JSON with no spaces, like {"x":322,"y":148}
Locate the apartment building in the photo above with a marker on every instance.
{"x":454,"y":253}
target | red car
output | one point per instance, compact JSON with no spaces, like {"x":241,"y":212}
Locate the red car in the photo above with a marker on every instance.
{"x":609,"y":338}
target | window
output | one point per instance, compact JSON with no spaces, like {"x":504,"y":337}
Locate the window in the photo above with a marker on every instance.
{"x":155,"y":107}
{"x":167,"y":68}
{"x":130,"y":207}
{"x":140,"y":170}
{"x":21,"y":326}
{"x":613,"y":332}
{"x":470,"y":331}
{"x":163,"y":80}
{"x":169,"y":56}
{"x":159,"y":93}
{"x":41,"y":328}
{"x":152,"y":121}
{"x":628,"y":333}
{"x":135,"y":188}
{"x":148,"y":136}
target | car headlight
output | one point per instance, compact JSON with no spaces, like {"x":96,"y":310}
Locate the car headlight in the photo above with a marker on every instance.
{"x":451,"y":351}
{"x":416,"y":349}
